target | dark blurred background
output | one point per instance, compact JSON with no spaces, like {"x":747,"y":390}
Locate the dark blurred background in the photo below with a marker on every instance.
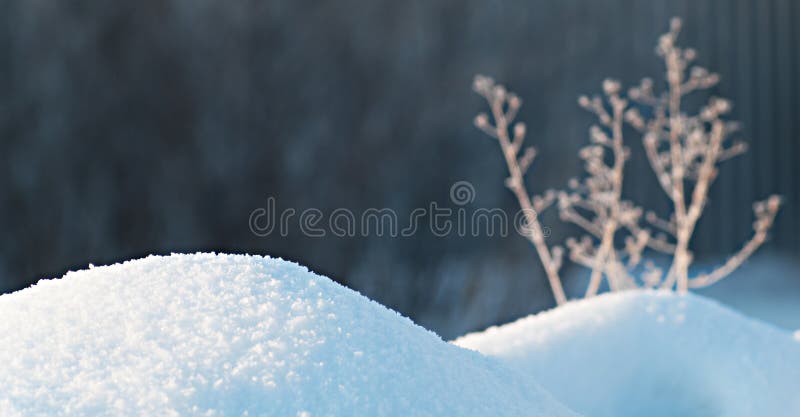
{"x":157,"y":126}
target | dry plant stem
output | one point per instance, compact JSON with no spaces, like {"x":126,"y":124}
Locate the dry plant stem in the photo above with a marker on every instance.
{"x":611,"y":226}
{"x":535,"y":234}
{"x":679,"y":269}
{"x":516,"y":183}
{"x":694,"y":152}
{"x":599,"y":195}
{"x":731,"y":264}
{"x":699,"y":195}
{"x":686,"y":220}
{"x":762,"y":226}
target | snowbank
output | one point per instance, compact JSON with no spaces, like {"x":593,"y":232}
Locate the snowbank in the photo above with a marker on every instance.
{"x":653,"y":354}
{"x":223,"y":335}
{"x":766,"y":287}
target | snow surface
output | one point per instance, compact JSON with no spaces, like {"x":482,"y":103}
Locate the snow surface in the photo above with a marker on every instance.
{"x":766,"y":287}
{"x":227,"y":335}
{"x":647,"y":353}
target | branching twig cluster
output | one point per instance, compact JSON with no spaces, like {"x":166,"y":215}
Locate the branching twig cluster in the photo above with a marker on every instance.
{"x":504,"y":107}
{"x":599,"y":195}
{"x":683,"y":150}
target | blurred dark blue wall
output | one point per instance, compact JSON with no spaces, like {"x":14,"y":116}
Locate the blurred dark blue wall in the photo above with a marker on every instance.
{"x":129,"y":128}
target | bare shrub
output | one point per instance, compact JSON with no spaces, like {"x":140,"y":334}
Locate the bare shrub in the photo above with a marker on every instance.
{"x":684,"y":151}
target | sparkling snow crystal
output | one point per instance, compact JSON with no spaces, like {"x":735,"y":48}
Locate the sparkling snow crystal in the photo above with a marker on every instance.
{"x":223,"y":335}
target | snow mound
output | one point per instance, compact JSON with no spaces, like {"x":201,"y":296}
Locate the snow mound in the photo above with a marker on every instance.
{"x":227,"y":335}
{"x":647,"y":353}
{"x":766,"y":287}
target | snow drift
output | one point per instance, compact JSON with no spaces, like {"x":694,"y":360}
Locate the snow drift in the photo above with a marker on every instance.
{"x":645,"y":353}
{"x":224,"y":335}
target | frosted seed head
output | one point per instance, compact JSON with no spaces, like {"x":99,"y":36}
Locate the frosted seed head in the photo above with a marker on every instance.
{"x":572,"y":183}
{"x":664,"y":44}
{"x":711,"y":80}
{"x":722,"y":105}
{"x":482,"y":83}
{"x":698,"y":72}
{"x":499,"y":92}
{"x":611,"y":87}
{"x":519,"y":129}
{"x":633,"y":117}
{"x":482,"y":120}
{"x":530,"y":153}
{"x":597,"y":135}
{"x":774,"y":202}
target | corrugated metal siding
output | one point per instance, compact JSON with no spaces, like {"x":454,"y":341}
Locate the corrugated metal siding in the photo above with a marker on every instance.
{"x":105,"y":108}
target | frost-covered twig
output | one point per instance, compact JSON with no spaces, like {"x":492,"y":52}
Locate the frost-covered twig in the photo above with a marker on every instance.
{"x":600,"y":195}
{"x":593,"y":203}
{"x":504,"y":106}
{"x":686,"y":148}
{"x":765,"y":212}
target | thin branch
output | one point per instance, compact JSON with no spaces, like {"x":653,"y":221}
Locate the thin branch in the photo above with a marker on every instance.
{"x":497,"y":97}
{"x":765,"y":217}
{"x":572,"y":216}
{"x":665,"y":225}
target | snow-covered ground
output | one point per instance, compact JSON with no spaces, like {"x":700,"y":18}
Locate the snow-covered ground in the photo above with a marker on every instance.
{"x":645,"y":353}
{"x":223,"y":335}
{"x":766,"y":287}
{"x":232,"y":335}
